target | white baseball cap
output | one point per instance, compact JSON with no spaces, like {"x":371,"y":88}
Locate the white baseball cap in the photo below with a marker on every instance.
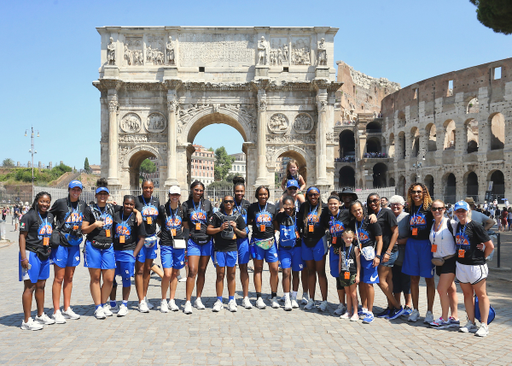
{"x":175,"y":190}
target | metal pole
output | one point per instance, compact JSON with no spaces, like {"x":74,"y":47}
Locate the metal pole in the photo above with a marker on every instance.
{"x":498,"y":250}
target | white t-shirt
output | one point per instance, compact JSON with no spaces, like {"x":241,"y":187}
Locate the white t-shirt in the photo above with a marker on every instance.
{"x":443,"y":238}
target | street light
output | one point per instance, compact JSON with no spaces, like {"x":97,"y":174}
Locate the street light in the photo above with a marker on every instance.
{"x":417,"y":166}
{"x":32,"y":151}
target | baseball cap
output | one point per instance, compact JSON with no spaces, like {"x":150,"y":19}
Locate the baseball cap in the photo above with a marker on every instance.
{"x":174,"y":190}
{"x":102,"y":189}
{"x":461,"y":205}
{"x":74,"y":184}
{"x":292,"y":183}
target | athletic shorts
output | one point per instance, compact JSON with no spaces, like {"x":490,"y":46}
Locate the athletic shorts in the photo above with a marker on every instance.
{"x":244,"y":254}
{"x":315,"y":253}
{"x":447,"y":267}
{"x":125,"y":263}
{"x":369,"y":274}
{"x":147,"y":253}
{"x":291,"y":258}
{"x":269,"y":255}
{"x":418,"y":258}
{"x":341,"y":282}
{"x":204,"y":250}
{"x":334,"y":263}
{"x":39,"y":270}
{"x":471,"y":274}
{"x":391,"y":260}
{"x":99,"y":258}
{"x":172,"y":258}
{"x":65,"y":256}
{"x":224,"y":259}
{"x":401,"y":281}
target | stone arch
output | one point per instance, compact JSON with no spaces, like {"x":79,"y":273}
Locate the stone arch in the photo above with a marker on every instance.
{"x":400,"y":187}
{"x":391,"y":146}
{"x":347,"y":177}
{"x":471,"y":182}
{"x":401,"y":148}
{"x":449,"y":136}
{"x":498,"y":187}
{"x":497,"y":124}
{"x":414,"y":178}
{"x":373,"y":145}
{"x":471,"y":129}
{"x":297,"y":153}
{"x":374,"y":127}
{"x":401,"y":119}
{"x":380,"y":175}
{"x":415,"y":137}
{"x":472,"y":105}
{"x":134,"y":157}
{"x":450,"y":188}
{"x":429,"y":182}
{"x":391,"y":182}
{"x":431,"y":131}
{"x":347,"y":144}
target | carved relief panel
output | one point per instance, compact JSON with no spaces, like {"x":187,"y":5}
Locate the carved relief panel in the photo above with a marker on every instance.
{"x":131,"y":123}
{"x":279,"y":52}
{"x":155,"y":47}
{"x":133,"y":51}
{"x":156,"y":122}
{"x":303,"y":123}
{"x":278,"y":123}
{"x":301,"y":51}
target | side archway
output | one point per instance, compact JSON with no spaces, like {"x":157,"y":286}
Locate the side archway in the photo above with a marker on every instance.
{"x":450,"y":190}
{"x":134,"y":158}
{"x":347,"y":177}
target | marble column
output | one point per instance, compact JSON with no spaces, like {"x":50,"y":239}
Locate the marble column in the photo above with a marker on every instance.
{"x":321,"y":138}
{"x":113,"y":138}
{"x":172,"y":105}
{"x":261,"y":167}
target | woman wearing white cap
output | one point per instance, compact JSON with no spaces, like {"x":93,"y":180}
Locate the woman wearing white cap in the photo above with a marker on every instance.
{"x":67,"y":237}
{"x":471,"y":270}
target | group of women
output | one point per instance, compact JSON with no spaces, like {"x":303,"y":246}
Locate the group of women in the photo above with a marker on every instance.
{"x":363,"y":244}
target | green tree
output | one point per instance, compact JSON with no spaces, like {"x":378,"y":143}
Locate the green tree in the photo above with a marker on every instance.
{"x":147,"y":167}
{"x":8,"y":163}
{"x":277,"y":180}
{"x":222,"y":163}
{"x":87,"y":167}
{"x":495,"y":14}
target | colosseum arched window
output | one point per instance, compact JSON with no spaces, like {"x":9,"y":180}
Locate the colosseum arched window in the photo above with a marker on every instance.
{"x":497,"y":123}
{"x":415,"y":137}
{"x":431,"y":137}
{"x":472,"y":185}
{"x":473,"y":106}
{"x":449,"y":134}
{"x":391,"y":146}
{"x":471,"y":128}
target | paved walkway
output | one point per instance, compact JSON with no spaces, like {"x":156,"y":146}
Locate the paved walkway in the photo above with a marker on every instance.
{"x":248,"y":337}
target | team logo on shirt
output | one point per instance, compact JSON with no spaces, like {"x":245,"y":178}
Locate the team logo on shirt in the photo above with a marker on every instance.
{"x":107,"y":219}
{"x":264,"y":218}
{"x":123,"y":229}
{"x":313,"y":218}
{"x":461,"y":239}
{"x":45,"y":230}
{"x":149,"y":210}
{"x":336,"y":227}
{"x":418,"y":220}
{"x":73,"y":218}
{"x":199,"y":215}
{"x":173,"y":223}
{"x":363,"y":236}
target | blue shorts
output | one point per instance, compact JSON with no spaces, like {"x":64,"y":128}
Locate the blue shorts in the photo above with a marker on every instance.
{"x":99,"y":258}
{"x":224,"y":259}
{"x":147,"y":253}
{"x":125,"y":265}
{"x":316,"y":253}
{"x":65,"y":256}
{"x":244,"y":254}
{"x":418,"y":258}
{"x":194,"y":249}
{"x":39,"y":270}
{"x":391,"y":262}
{"x":172,"y":258}
{"x":291,"y":257}
{"x":334,"y":262}
{"x":269,"y":255}
{"x":369,"y":274}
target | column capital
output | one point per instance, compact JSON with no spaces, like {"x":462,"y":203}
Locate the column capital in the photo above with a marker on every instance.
{"x":262,"y":100}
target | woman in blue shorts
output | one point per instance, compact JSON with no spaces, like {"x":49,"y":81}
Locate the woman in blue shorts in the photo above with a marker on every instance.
{"x":128,"y":241}
{"x":261,"y":216}
{"x":98,"y":225}
{"x":197,"y":211}
{"x":68,"y":213}
{"x":314,"y":245}
{"x":148,"y":207}
{"x":418,"y":254}
{"x":290,"y":251}
{"x":34,"y":267}
{"x":172,"y":247}
{"x":226,"y":225}
{"x":369,"y":239}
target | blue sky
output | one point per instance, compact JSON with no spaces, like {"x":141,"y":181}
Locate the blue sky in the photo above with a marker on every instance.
{"x":51,"y":54}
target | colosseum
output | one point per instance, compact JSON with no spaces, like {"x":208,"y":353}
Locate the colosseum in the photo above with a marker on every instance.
{"x":448,"y":131}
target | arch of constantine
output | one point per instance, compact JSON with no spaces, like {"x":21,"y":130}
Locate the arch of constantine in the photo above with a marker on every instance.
{"x":161,"y":85}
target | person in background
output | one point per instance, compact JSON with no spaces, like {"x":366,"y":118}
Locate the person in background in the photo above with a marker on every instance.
{"x":478,"y":216}
{"x":384,"y":203}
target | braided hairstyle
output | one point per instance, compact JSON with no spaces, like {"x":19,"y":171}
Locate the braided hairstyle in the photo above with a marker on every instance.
{"x":36,"y":199}
{"x":427,"y":200}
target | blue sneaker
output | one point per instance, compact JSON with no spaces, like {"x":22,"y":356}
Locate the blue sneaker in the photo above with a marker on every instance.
{"x":453,"y":322}
{"x":385,"y":314}
{"x":396,"y":313}
{"x":369,"y":318}
{"x":362,"y":313}
{"x":407,"y":311}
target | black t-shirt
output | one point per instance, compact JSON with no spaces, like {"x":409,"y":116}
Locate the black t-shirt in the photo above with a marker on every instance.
{"x":352,"y":262}
{"x":387,"y":219}
{"x":68,"y":219}
{"x":38,"y":227}
{"x":467,"y":239}
{"x":105,"y":214}
{"x":420,"y":223}
{"x":312,"y":220}
{"x":366,"y":232}
{"x":262,"y":215}
{"x":127,"y":226}
{"x":241,"y":208}
{"x":171,"y":220}
{"x":149,"y":211}
{"x":222,"y":242}
{"x":198,"y":213}
{"x":288,"y":230}
{"x":336,"y":225}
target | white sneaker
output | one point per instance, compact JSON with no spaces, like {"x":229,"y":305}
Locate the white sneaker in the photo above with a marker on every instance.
{"x":181,"y":279}
{"x":340,"y":310}
{"x":246,"y":303}
{"x":305,"y":299}
{"x":59,"y":319}
{"x":275,"y":303}
{"x":107,"y":311}
{"x":414,"y":316}
{"x":99,"y":313}
{"x":31,"y":325}
{"x":483,"y":331}
{"x":44,"y":319}
{"x":260,"y":304}
{"x":188,"y":308}
{"x":429,"y":317}
{"x":172,"y":305}
{"x":468,"y":328}
{"x":232,"y":306}
{"x":354,"y":317}
{"x":295,"y":304}
{"x":346,"y":316}
{"x":143,"y":307}
{"x":123,"y":310}
{"x":164,"y":308}
{"x":288,"y":304}
{"x":323,"y":306}
{"x":199,"y":304}
{"x":70,"y":314}
{"x":149,"y":304}
{"x":310,"y":305}
{"x":217,"y":306}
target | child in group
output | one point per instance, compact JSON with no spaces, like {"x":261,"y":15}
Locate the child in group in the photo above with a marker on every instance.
{"x":349,"y":266}
{"x":292,"y":172}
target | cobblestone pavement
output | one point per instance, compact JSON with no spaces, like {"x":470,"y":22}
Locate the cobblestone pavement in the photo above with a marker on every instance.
{"x":248,"y":337}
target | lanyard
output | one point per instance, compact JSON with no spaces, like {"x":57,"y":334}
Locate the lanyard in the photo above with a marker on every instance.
{"x":417,"y":212}
{"x":173,"y":214}
{"x":122,"y":217}
{"x":357,"y":232}
{"x":45,"y":221}
{"x":101,"y":212}
{"x":239,"y":207}
{"x":315,"y":211}
{"x":145,"y":203}
{"x":265,"y":209}
{"x":436,"y":229}
{"x":347,"y":258}
{"x":195,"y":208}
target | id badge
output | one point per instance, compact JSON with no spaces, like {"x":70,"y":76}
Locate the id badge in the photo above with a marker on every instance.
{"x":311,"y":228}
{"x":46,"y":241}
{"x":334,"y":239}
{"x":347,"y":275}
{"x":262,"y":228}
{"x":462,"y":252}
{"x":234,"y":236}
{"x":107,"y":233}
{"x":415,"y":231}
{"x":433,"y":249}
{"x":173,"y":232}
{"x":121,"y":239}
{"x":149,"y":220}
{"x":75,"y":227}
{"x":198,"y":226}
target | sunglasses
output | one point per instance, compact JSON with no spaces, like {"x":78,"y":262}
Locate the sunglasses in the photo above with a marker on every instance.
{"x":313,"y":195}
{"x":417,"y":192}
{"x":434,"y":209}
{"x":199,"y":190}
{"x":228,"y":201}
{"x":292,"y":188}
{"x":376,"y":200}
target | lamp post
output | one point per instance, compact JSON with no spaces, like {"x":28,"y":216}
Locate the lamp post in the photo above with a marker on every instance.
{"x":32,"y":151}
{"x":419,"y":163}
